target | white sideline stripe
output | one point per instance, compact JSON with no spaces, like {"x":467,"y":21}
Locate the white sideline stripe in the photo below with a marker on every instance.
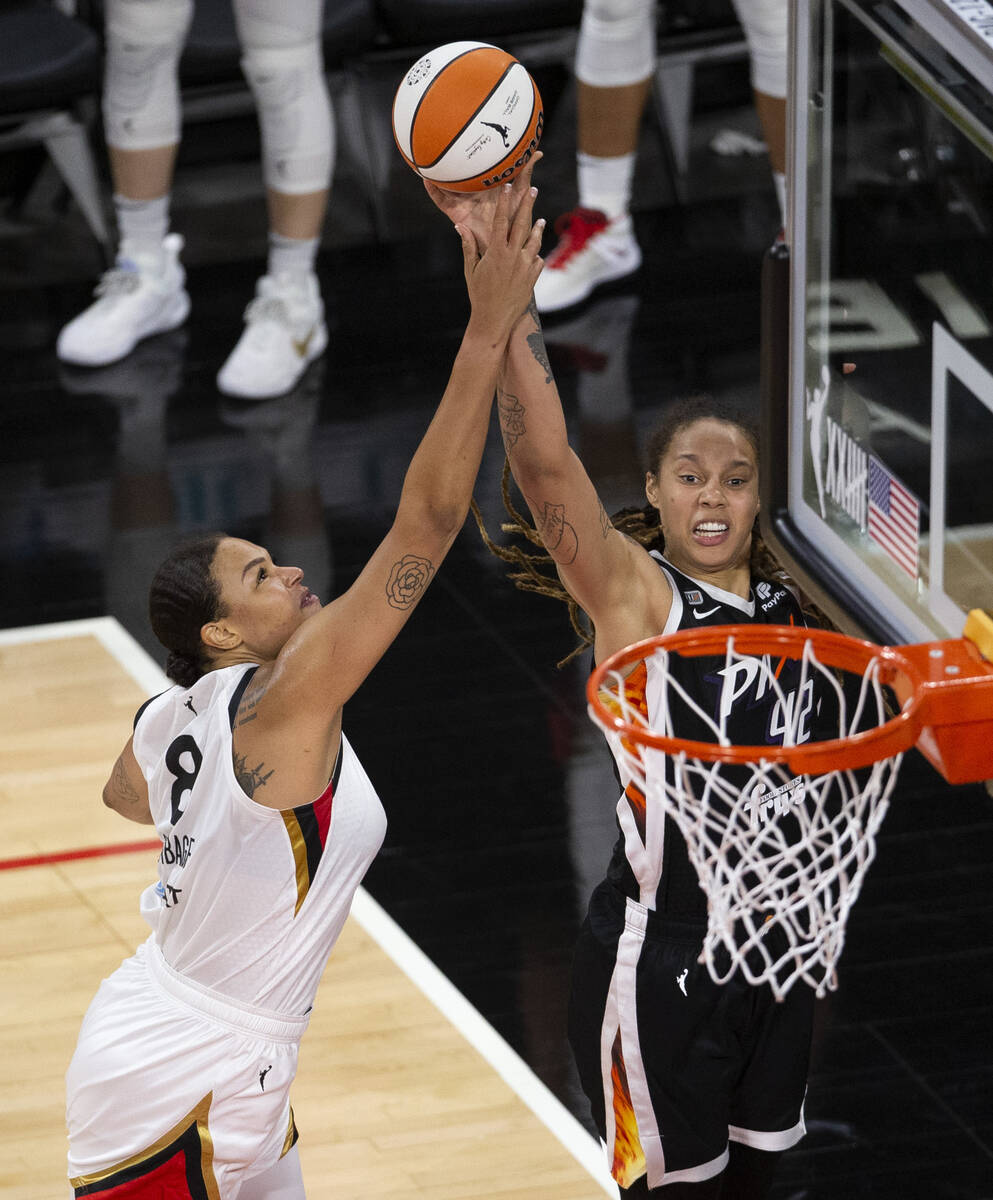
{"x":113,"y":637}
{"x":476,"y":1030}
{"x":377,"y":923}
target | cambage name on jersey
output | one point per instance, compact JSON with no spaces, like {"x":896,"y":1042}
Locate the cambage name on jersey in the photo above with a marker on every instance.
{"x":176,"y":850}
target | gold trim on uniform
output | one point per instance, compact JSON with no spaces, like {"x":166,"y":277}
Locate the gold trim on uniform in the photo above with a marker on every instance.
{"x":299,"y":846}
{"x":291,"y":1136}
{"x":198,"y":1116}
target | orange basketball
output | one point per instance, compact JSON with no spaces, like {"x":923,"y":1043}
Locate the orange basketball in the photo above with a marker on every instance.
{"x":467,"y":116}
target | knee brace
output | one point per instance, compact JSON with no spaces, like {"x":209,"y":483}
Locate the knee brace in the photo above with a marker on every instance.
{"x":616,"y":42}
{"x":766,"y":26}
{"x":284,"y":65}
{"x":145,"y":38}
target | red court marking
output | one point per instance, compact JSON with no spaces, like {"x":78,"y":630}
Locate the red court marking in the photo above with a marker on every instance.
{"x":41,"y":860}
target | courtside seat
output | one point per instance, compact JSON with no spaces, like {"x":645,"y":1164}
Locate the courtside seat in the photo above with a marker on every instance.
{"x":413,"y":23}
{"x":50,"y":65}
{"x":691,"y":33}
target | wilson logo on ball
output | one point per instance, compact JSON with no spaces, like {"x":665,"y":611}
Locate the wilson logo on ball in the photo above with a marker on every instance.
{"x":467,"y":116}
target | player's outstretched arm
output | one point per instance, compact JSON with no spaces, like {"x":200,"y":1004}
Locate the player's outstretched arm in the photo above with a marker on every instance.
{"x":603,"y":570}
{"x":591,"y":557}
{"x":332,"y":653}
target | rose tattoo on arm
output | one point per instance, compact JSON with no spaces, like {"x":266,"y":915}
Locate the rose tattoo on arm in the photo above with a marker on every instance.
{"x":408,"y":579}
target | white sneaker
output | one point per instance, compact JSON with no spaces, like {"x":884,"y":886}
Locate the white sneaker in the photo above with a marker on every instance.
{"x":591,"y":250}
{"x":284,"y":332}
{"x":135,"y":299}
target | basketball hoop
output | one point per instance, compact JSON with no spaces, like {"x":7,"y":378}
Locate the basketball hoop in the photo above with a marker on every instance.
{"x":781,"y":836}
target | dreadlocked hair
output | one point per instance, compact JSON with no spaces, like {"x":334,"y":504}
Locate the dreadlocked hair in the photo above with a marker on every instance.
{"x":535,"y":571}
{"x":532,"y":572}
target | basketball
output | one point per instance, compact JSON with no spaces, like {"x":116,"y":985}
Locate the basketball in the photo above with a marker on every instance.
{"x":467,"y":116}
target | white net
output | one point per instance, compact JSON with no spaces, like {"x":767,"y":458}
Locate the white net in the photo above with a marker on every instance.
{"x":780,"y":856}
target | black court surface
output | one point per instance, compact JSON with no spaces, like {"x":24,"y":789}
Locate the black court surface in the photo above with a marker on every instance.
{"x":499,"y":791}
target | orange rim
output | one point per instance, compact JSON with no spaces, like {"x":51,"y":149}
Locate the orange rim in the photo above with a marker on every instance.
{"x":893,"y":737}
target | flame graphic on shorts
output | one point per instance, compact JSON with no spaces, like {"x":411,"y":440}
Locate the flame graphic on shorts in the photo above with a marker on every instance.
{"x":629,"y":1158}
{"x":634,"y":694}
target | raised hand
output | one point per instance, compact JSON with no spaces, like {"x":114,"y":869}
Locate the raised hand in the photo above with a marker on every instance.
{"x":501,"y":277}
{"x":475,"y":210}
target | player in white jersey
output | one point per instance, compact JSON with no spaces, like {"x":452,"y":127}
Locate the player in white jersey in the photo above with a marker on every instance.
{"x":695,"y":1088}
{"x":179,"y":1085}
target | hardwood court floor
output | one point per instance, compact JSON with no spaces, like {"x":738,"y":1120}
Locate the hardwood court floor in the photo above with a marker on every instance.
{"x":392,"y":1099}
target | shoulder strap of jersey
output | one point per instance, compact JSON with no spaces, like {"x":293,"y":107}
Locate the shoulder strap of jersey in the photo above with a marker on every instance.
{"x":138,"y":714}
{"x":238,"y":692}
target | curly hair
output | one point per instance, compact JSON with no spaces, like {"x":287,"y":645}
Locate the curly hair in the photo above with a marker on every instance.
{"x":536,"y":571}
{"x":183,"y":597}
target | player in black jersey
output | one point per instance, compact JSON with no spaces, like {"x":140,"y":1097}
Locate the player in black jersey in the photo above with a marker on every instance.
{"x":695,"y":1088}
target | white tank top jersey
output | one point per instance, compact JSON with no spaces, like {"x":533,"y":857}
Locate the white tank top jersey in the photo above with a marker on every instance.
{"x":250,"y":900}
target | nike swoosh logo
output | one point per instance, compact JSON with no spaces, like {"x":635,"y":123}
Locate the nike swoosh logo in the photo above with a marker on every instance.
{"x":300,"y":345}
{"x":700,"y":615}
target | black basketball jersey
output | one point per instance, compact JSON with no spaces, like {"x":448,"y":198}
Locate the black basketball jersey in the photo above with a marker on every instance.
{"x":649,"y":861}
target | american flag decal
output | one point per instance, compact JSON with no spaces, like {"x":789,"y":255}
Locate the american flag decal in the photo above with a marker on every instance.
{"x":894,"y":517}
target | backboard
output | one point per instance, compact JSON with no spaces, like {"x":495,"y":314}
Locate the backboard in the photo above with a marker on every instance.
{"x":878,"y":322}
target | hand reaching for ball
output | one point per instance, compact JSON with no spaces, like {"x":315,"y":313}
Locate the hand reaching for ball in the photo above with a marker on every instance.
{"x":475,"y":210}
{"x":501,"y":277}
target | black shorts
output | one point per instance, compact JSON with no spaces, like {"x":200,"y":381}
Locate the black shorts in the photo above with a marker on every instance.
{"x":675,"y":1065}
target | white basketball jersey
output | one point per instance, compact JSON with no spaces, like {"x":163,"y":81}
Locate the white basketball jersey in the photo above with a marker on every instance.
{"x":250,"y":900}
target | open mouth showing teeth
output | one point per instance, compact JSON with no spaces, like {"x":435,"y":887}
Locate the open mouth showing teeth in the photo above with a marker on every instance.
{"x":710,"y":527}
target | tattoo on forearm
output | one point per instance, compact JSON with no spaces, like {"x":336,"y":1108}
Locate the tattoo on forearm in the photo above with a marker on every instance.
{"x":408,"y":579}
{"x":533,"y":312}
{"x":123,"y":786}
{"x":557,"y":533}
{"x":250,"y":778}
{"x":511,"y":412}
{"x":537,"y":343}
{"x":606,"y":524}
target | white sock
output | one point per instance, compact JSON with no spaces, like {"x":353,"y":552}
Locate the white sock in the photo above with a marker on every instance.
{"x":605,"y":183}
{"x":142,"y":226}
{"x":779,"y":182}
{"x":292,"y":256}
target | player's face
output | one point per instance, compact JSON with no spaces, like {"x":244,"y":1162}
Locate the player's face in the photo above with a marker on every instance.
{"x":264,"y":603}
{"x":706,"y":491}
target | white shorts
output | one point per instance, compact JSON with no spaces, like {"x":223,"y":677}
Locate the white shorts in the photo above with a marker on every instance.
{"x":167,"y":1077}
